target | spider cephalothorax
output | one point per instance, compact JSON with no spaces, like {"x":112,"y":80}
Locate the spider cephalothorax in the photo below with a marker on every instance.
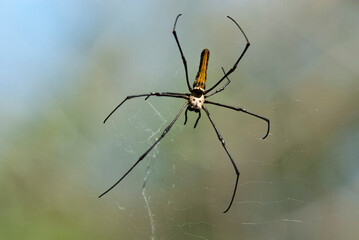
{"x":195,"y":101}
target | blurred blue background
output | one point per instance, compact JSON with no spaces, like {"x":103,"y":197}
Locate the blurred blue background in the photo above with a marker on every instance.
{"x":64,"y":65}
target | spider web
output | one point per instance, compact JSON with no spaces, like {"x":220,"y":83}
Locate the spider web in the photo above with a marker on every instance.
{"x":300,"y":183}
{"x":146,"y":197}
{"x":294,"y":212}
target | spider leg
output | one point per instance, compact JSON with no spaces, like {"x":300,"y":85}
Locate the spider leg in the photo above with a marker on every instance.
{"x":199,"y":116}
{"x":236,"y":63}
{"x":180,"y":49}
{"x":222,"y":88}
{"x":185,"y":119}
{"x":185,"y":116}
{"x":244,"y":111}
{"x":147,"y":95}
{"x":167,"y":93}
{"x":148,"y":150}
{"x":220,"y":138}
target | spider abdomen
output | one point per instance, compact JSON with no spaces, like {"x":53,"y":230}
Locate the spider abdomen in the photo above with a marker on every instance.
{"x":200,"y":82}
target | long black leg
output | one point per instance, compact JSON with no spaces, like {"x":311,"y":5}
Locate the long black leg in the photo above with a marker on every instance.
{"x":199,"y":116}
{"x":220,"y":138}
{"x":244,"y":111}
{"x":222,"y":88}
{"x":147,"y":95}
{"x":183,"y":58}
{"x":236,"y":63}
{"x":148,"y":150}
{"x":167,"y":93}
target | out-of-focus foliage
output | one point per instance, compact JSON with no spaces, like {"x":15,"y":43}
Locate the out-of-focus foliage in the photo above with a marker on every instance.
{"x":65,"y":65}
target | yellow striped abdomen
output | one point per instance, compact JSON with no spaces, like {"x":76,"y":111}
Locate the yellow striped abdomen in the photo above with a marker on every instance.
{"x":201,"y":77}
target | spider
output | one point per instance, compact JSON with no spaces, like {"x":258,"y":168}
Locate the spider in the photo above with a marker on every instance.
{"x":195,"y":101}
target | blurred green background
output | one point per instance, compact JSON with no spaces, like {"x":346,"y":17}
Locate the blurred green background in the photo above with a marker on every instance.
{"x":64,"y":65}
